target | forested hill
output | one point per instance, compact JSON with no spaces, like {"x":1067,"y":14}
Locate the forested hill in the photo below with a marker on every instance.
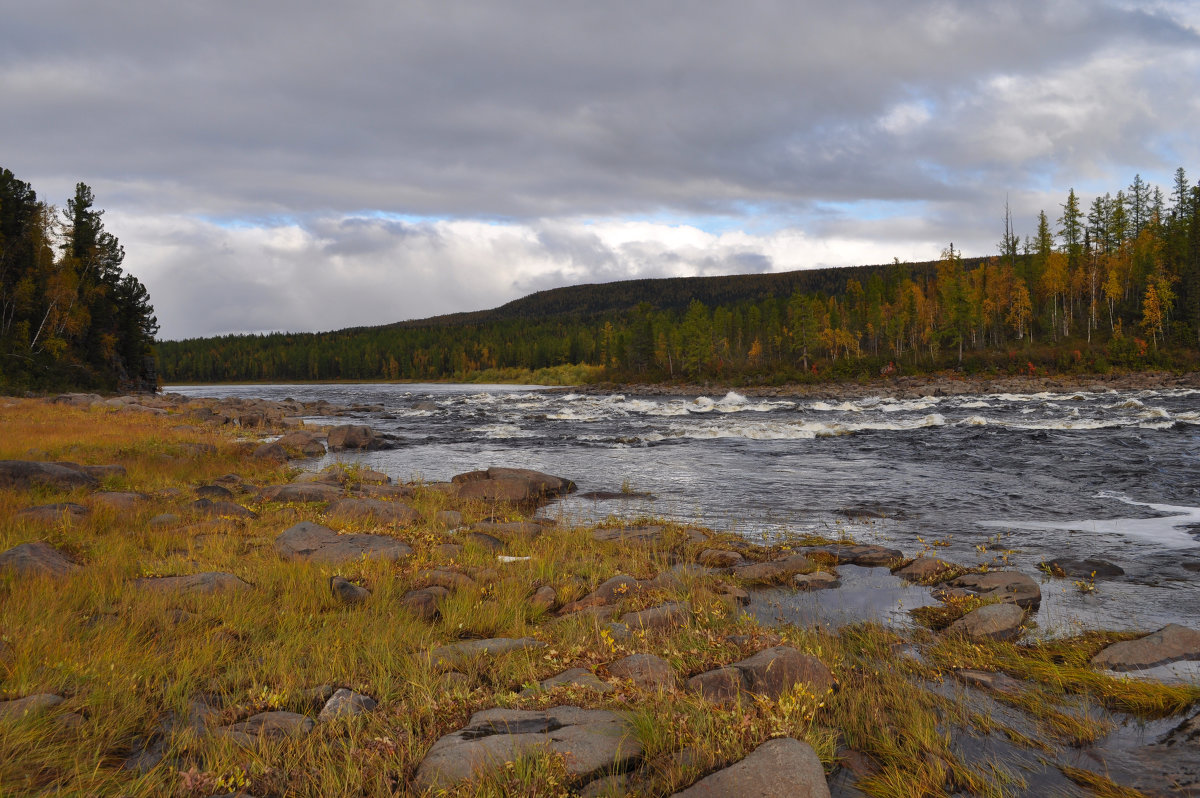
{"x":1112,"y":284}
{"x":669,"y":293}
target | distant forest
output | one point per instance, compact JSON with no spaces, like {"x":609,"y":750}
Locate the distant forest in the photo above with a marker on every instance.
{"x":1112,"y":284}
{"x":69,"y":316}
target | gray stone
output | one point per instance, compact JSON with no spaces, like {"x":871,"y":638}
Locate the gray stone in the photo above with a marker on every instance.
{"x":819,"y":580}
{"x":986,"y":680}
{"x":1172,"y":643}
{"x":372,"y":509}
{"x":54,"y":513}
{"x":592,"y":742}
{"x":544,"y":598}
{"x":719,"y":685}
{"x":165,"y":519}
{"x":220,"y":509}
{"x":484,"y":541}
{"x":1083,"y":567}
{"x":924,"y":570}
{"x":774,"y":571}
{"x":347,"y":592}
{"x":120,"y":500}
{"x":1009,"y":587}
{"x":865,"y":555}
{"x":269,"y":726}
{"x":664,"y":616}
{"x":214,"y":492}
{"x":451,"y":580}
{"x":991,"y":622}
{"x":35,"y":558}
{"x":346,"y":703}
{"x":29,"y":705}
{"x":448,"y":518}
{"x":779,"y":768}
{"x":608,"y":592}
{"x":303,"y":492}
{"x":578,"y":677}
{"x":647,"y":671}
{"x":309,"y":541}
{"x":517,"y":485}
{"x":270,"y":451}
{"x":720,"y":558}
{"x":202,"y":583}
{"x":511,"y":530}
{"x":424,"y":602}
{"x":631,"y":534}
{"x":350,"y":436}
{"x":456,"y":654}
{"x":774,"y":671}
{"x":23,"y":474}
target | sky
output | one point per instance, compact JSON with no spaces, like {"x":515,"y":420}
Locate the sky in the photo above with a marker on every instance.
{"x":311,"y":166}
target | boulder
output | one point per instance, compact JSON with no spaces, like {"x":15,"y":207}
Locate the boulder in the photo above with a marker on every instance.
{"x":820,"y":580}
{"x":448,"y":518}
{"x":220,"y":509}
{"x":305,"y":444}
{"x":29,"y":705}
{"x":1010,"y":587}
{"x":1172,"y":643}
{"x":451,"y":580}
{"x":608,"y":592}
{"x":991,"y":622}
{"x":773,"y":571}
{"x":213,"y":492}
{"x":779,"y":768}
{"x":485,"y":541}
{"x":202,"y":583}
{"x":23,"y":474}
{"x":577,"y":677}
{"x":35,"y":558}
{"x":1083,"y":567}
{"x":346,"y":703}
{"x":544,"y":598}
{"x":516,"y":485}
{"x":270,"y":451}
{"x":771,"y":672}
{"x":512,"y":530}
{"x":309,"y":541}
{"x":347,"y":592}
{"x":302,"y":492}
{"x":664,"y":616}
{"x":865,"y":555}
{"x":125,"y":501}
{"x":647,"y":671}
{"x":924,"y":570}
{"x":456,"y":654}
{"x":372,"y":509}
{"x":54,"y":513}
{"x":351,"y":436}
{"x":424,"y":602}
{"x":720,"y":558}
{"x":267,"y":725}
{"x":719,"y":685}
{"x":630,"y":534}
{"x":592,"y":742}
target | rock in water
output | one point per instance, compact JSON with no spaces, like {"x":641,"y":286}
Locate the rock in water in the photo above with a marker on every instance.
{"x":992,"y":622}
{"x":592,"y":742}
{"x":350,"y":436}
{"x":1172,"y":643}
{"x":780,"y":768}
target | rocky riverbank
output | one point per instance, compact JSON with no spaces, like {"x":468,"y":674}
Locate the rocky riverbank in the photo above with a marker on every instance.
{"x":191,"y":612}
{"x":909,"y":387}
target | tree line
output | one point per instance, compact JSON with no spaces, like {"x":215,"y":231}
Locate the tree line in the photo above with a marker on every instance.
{"x":1114,"y":283}
{"x":69,"y":316}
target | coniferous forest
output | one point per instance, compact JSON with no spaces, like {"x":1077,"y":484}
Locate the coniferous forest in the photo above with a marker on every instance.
{"x":69,"y":316}
{"x":1110,"y":284}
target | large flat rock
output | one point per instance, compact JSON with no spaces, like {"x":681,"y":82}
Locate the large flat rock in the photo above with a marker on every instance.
{"x":1172,"y":643}
{"x":771,"y":672}
{"x":780,"y":768}
{"x":303,"y":492}
{"x":592,"y":742}
{"x":207,"y":582}
{"x":372,"y":510}
{"x":516,"y":485}
{"x":1010,"y":587}
{"x":457,"y":653}
{"x":22,"y":474}
{"x":35,"y":558}
{"x":991,"y":622}
{"x":309,"y":541}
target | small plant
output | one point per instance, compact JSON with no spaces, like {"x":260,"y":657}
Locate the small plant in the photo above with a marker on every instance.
{"x":1087,"y":584}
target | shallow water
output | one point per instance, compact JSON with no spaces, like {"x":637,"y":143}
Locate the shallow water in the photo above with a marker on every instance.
{"x":999,"y":478}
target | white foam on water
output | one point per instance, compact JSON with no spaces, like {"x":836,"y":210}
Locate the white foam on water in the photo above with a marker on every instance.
{"x":505,"y":431}
{"x":1170,"y":529}
{"x":975,"y":421}
{"x":974,"y":405}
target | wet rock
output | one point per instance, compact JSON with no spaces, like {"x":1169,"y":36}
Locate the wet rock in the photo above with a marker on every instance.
{"x":24,"y":474}
{"x":372,"y":509}
{"x":664,"y":616}
{"x":1084,"y":568}
{"x":456,"y":654}
{"x":350,"y":436}
{"x":347,"y":592}
{"x":820,"y":580}
{"x":773,"y":571}
{"x":204,"y":583}
{"x":992,"y":622}
{"x":309,"y":541}
{"x":423,"y":603}
{"x":986,"y":680}
{"x":865,"y":555}
{"x":779,"y":768}
{"x":220,"y":509}
{"x":646,"y":671}
{"x":544,"y":598}
{"x":346,"y":703}
{"x":1172,"y":643}
{"x":592,"y":742}
{"x":29,"y":705}
{"x":578,"y":677}
{"x":735,"y":596}
{"x":35,"y":558}
{"x":924,"y":570}
{"x":61,"y":512}
{"x":269,"y":726}
{"x":1010,"y":587}
{"x":306,"y":492}
{"x":720,"y":558}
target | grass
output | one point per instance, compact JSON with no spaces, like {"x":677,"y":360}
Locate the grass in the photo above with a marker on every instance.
{"x":124,"y":657}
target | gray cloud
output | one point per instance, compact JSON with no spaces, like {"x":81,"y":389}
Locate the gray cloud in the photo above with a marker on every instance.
{"x":866,"y":125}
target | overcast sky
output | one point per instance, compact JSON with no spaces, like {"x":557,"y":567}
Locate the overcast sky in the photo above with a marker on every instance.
{"x":313,"y":165}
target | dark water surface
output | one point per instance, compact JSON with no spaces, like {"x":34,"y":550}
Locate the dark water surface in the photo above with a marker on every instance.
{"x":1027,"y":477}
